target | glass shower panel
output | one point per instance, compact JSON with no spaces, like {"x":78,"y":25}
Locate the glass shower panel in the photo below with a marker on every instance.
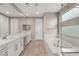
{"x":70,"y":31}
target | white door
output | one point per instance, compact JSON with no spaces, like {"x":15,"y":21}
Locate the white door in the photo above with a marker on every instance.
{"x":12,"y":48}
{"x":50,"y":33}
{"x":38,"y":29}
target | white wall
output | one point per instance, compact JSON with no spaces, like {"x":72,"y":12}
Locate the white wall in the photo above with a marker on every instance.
{"x":50,"y":31}
{"x":14,"y":25}
{"x":50,"y":21}
{"x":4,"y":25}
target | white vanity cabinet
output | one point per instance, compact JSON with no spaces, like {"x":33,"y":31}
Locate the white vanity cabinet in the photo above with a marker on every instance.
{"x":27,"y":39}
{"x":20,"y":46}
{"x":12,"y":48}
{"x":3,"y":50}
{"x":15,"y":47}
{"x":14,"y":44}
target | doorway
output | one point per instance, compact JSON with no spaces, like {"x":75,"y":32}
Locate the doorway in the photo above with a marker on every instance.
{"x":38,"y":29}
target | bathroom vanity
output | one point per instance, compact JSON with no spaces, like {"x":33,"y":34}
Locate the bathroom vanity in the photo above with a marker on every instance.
{"x":14,"y":44}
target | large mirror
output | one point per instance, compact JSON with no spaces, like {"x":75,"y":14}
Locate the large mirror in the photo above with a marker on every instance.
{"x":70,"y":32}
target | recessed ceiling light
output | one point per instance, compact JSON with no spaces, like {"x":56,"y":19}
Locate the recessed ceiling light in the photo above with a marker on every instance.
{"x":37,"y":12}
{"x":7,"y":12}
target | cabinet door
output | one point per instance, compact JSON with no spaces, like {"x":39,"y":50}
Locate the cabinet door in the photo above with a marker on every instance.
{"x":11,"y":51}
{"x":28,"y":39}
{"x":12,"y":48}
{"x":3,"y":50}
{"x":15,"y":47}
{"x":4,"y":26}
{"x":20,"y":45}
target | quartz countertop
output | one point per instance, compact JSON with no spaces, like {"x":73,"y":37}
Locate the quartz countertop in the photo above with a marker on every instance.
{"x":13,"y":37}
{"x":5,"y":41}
{"x":18,"y":35}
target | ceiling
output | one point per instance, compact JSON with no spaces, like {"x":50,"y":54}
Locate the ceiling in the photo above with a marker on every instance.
{"x":29,"y":9}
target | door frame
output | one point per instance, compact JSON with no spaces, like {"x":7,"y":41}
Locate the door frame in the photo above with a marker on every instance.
{"x":42,"y":27}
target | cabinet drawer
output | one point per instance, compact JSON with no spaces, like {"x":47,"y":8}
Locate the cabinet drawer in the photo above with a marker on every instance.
{"x":3,"y":54}
{"x":3,"y":47}
{"x":11,"y":43}
{"x":3,"y":51}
